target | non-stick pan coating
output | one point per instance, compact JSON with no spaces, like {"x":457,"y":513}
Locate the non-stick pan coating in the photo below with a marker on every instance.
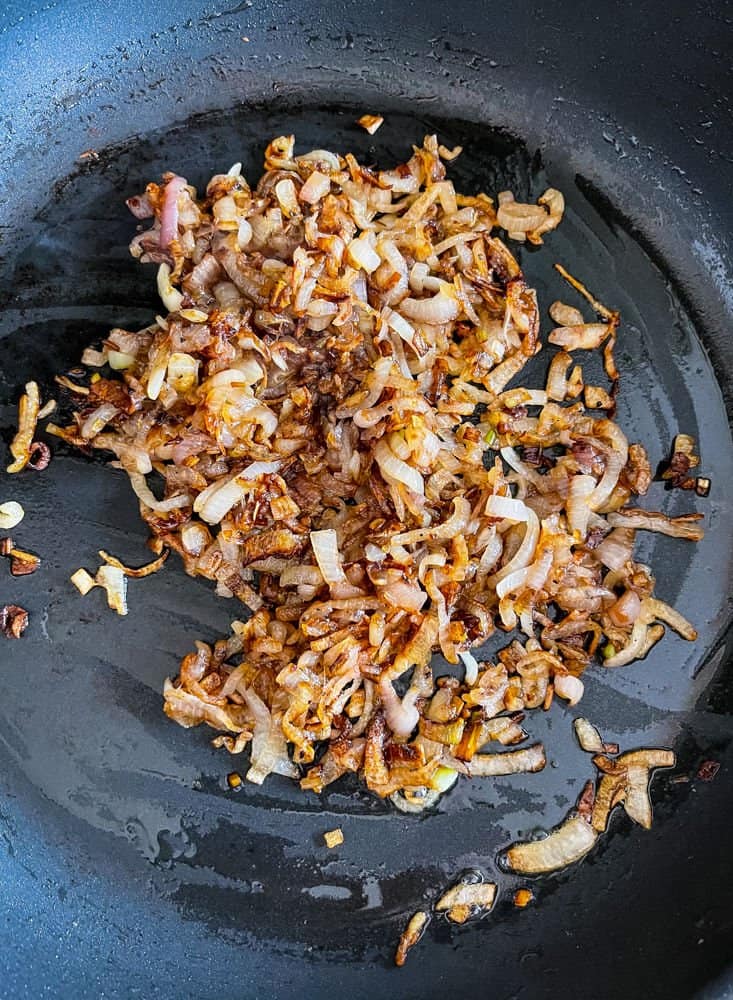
{"x":127,"y":865}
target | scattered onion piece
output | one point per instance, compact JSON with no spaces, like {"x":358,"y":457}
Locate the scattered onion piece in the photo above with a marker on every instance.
{"x":22,"y":563}
{"x":114,"y":583}
{"x":20,"y":446}
{"x":83,"y":581}
{"x":685,"y":526}
{"x":370,"y":122}
{"x":411,"y":935}
{"x":140,"y":571}
{"x":565,"y":845}
{"x":13,"y":621}
{"x":334,"y":838}
{"x":467,"y":899}
{"x":484,"y":765}
{"x":47,"y":409}
{"x":588,"y":736}
{"x":11,"y":514}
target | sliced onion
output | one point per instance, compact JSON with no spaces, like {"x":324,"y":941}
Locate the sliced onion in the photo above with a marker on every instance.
{"x":172,"y":299}
{"x":395,"y":470}
{"x":401,"y":715}
{"x":663,"y":612}
{"x":269,"y":749}
{"x":462,"y":901}
{"x":676,"y":527}
{"x":326,"y":551}
{"x":626,"y":609}
{"x":565,"y":845}
{"x":557,"y":382}
{"x":119,"y":361}
{"x":182,"y":371}
{"x":517,"y":218}
{"x":508,"y":508}
{"x":213,"y":503}
{"x":20,"y":446}
{"x":454,"y":525}
{"x":298,"y":576}
{"x":441,"y":308}
{"x":471,"y":664}
{"x":407,"y":596}
{"x":577,"y":338}
{"x":98,"y":420}
{"x":565,"y":315}
{"x":400,"y":325}
{"x":490,"y":765}
{"x":415,"y":800}
{"x":578,"y":506}
{"x":137,"y":572}
{"x":194,"y":538}
{"x":526,"y":550}
{"x":588,"y":736}
{"x":617,"y":456}
{"x":11,"y":514}
{"x":316,"y":187}
{"x":512,"y":582}
{"x":147,"y":497}
{"x":287,"y":197}
{"x":362,"y":254}
{"x":114,"y":582}
{"x":322,"y":157}
{"x":643,"y":637}
{"x":616,"y":549}
{"x":637,"y":804}
{"x":411,"y":935}
{"x":169,"y":214}
{"x":568,"y":687}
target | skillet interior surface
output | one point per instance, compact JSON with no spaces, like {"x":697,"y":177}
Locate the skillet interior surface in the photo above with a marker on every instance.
{"x":126,"y":854}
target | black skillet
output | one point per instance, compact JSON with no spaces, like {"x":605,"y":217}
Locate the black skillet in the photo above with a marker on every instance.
{"x":127,"y":867}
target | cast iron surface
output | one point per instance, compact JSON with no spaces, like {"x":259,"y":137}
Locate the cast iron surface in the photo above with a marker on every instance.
{"x":127,"y":867}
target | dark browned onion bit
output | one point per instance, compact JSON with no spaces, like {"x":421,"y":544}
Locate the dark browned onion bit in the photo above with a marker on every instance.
{"x":13,"y":621}
{"x":23,"y":563}
{"x":707,"y":770}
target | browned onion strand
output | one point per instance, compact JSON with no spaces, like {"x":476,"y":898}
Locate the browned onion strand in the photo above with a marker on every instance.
{"x":308,"y":426}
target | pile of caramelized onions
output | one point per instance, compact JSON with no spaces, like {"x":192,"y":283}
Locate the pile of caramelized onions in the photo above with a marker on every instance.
{"x":322,"y":424}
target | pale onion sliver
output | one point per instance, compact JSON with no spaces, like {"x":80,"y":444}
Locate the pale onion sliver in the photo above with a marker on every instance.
{"x":11,"y":514}
{"x":326,"y":550}
{"x":395,"y":470}
{"x":172,"y":299}
{"x":567,"y":844}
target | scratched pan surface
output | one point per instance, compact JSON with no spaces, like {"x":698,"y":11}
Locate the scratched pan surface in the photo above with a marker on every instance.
{"x":127,"y":866}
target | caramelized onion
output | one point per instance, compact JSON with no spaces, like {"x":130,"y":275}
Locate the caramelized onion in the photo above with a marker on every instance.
{"x":327,"y":402}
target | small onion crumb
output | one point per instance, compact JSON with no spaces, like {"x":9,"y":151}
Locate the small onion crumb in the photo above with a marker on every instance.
{"x":334,"y":837}
{"x":371,"y":123}
{"x":83,"y":581}
{"x":13,"y":621}
{"x":523,"y":897}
